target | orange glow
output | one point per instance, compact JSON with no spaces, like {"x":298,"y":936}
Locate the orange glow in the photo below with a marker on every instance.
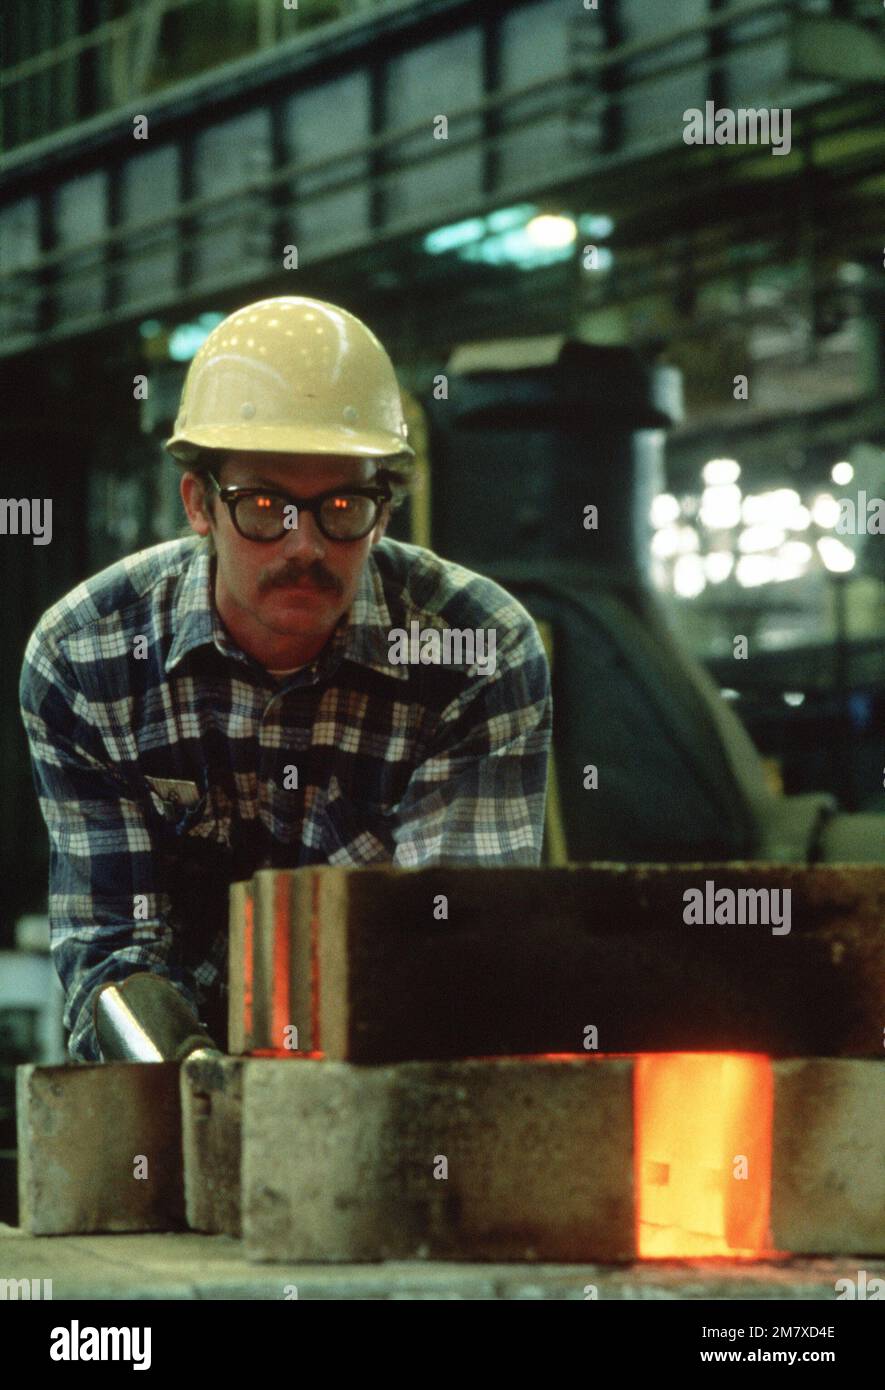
{"x":281,"y":1011}
{"x":287,"y":1052}
{"x":702,"y":1121}
{"x":248,"y":935}
{"x":552,"y":1057}
{"x":315,"y":964}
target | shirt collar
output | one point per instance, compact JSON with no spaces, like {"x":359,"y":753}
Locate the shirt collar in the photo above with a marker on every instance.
{"x":363,"y":635}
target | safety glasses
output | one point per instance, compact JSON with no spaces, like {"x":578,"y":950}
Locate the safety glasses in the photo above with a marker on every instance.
{"x":342,"y":514}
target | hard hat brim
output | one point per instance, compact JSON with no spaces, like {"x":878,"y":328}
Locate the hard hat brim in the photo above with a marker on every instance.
{"x":286,"y":439}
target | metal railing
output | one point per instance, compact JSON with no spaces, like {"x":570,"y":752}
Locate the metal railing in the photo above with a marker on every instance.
{"x":126,"y":51}
{"x":263,"y":197}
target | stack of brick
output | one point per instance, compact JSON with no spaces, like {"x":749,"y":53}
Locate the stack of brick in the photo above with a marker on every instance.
{"x":440,"y":1063}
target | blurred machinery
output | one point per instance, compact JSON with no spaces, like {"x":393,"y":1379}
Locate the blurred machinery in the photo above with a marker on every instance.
{"x":651,"y":763}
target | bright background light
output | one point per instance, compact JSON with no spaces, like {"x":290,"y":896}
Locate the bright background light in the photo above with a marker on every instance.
{"x":719,"y":471}
{"x":551,"y":230}
{"x":520,"y":236}
{"x":837,"y":557}
{"x":664,"y":510}
{"x":721,"y":507}
{"x":718,"y":565}
{"x":825,"y":511}
{"x":760,"y":538}
{"x":842,"y":473}
{"x":753,"y":570}
{"x":186,"y":339}
{"x":689,"y":579}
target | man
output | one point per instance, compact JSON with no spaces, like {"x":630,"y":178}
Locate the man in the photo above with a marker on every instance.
{"x":210,"y":706}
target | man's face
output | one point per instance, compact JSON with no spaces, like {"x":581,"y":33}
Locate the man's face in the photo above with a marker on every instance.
{"x":300,"y":585}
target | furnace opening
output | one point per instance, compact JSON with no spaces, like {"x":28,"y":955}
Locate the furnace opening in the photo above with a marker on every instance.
{"x":703,"y":1126}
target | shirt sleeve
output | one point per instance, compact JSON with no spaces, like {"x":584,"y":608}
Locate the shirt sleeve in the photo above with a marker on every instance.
{"x":479,"y":796}
{"x":107,"y":915}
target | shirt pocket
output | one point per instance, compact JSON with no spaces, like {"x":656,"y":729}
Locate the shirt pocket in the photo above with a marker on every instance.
{"x":192,"y":811}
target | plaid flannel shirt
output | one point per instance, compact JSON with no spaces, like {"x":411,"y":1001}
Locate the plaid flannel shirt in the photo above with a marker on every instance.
{"x":166,"y":759}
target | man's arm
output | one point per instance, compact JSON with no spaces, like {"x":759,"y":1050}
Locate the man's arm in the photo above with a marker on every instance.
{"x":479,"y":797}
{"x":107,"y":912}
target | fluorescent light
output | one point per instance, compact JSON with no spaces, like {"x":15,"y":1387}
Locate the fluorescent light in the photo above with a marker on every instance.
{"x":718,"y":565}
{"x":664,"y":510}
{"x":689,"y":579}
{"x":595,"y":225}
{"x":797,"y":552}
{"x":780,"y":506}
{"x":719,"y":471}
{"x":550,"y":230}
{"x":721,"y":507}
{"x":753,"y":570}
{"x":825,"y":511}
{"x":665,"y":543}
{"x":688,"y":539}
{"x":454,"y":235}
{"x":838,"y":558}
{"x":761,"y":538}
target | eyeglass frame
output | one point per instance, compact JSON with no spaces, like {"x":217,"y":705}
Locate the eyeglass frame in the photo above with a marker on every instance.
{"x":231,"y":493}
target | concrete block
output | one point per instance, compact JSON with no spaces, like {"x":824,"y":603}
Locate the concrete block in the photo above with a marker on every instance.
{"x":828,"y":1157}
{"x":528,"y":1159}
{"x":525,"y":959}
{"x":211,"y":1126}
{"x":99,"y":1148}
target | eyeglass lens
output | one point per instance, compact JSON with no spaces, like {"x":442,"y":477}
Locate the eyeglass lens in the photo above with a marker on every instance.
{"x":343,"y":517}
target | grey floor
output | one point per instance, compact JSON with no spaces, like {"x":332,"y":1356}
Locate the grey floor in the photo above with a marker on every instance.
{"x":191,"y":1266}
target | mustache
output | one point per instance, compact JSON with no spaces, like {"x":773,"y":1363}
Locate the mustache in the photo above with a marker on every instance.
{"x":315,"y":573}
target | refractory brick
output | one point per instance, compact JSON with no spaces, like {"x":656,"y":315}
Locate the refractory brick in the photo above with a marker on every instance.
{"x":99,"y":1148}
{"x":211,"y":1123}
{"x":357,"y":965}
{"x":828,"y":1157}
{"x":488,"y":1160}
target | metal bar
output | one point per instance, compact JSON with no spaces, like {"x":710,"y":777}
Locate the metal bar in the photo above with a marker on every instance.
{"x":267,"y":17}
{"x":146,"y":42}
{"x":70,"y":49}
